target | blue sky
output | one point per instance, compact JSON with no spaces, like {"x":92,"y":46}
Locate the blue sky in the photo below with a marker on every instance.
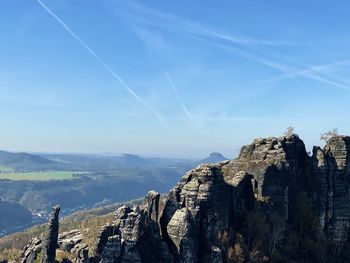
{"x":170,"y":78}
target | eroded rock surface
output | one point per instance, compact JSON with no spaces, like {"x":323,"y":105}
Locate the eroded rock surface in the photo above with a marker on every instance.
{"x":31,"y":251}
{"x":72,"y":242}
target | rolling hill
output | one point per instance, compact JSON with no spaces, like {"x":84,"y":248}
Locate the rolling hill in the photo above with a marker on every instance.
{"x":20,"y":161}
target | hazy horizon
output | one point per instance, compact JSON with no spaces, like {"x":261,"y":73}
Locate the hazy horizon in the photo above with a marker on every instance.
{"x":170,"y":78}
{"x":184,"y":155}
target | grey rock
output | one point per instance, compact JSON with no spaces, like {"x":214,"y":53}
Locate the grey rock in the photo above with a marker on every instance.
{"x":44,"y":250}
{"x":132,"y":226}
{"x":152,"y":203}
{"x":51,"y":237}
{"x":198,"y":208}
{"x":331,"y":174}
{"x":68,"y":240}
{"x":31,"y":251}
{"x":275,"y":165}
{"x":181,"y":232}
{"x":112,"y":250}
{"x":72,"y":242}
{"x":102,"y":239}
{"x":117,"y":242}
{"x":130,"y":253}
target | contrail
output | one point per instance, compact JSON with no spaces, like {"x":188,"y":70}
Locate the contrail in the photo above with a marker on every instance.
{"x":312,"y":69}
{"x":179,"y":98}
{"x":208,"y":35}
{"x":316,"y":73}
{"x":202,"y":33}
{"x":172,"y":22}
{"x":327,"y":81}
{"x":102,"y":63}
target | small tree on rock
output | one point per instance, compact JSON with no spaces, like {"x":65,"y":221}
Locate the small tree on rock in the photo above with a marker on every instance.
{"x":328,"y":135}
{"x":289,"y":132}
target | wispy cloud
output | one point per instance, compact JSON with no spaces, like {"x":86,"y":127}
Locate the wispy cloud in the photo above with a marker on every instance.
{"x":259,"y":59}
{"x":227,"y":119}
{"x":241,"y":45}
{"x":102,"y":63}
{"x":171,"y":22}
{"x":245,"y":41}
{"x":185,"y":109}
{"x":317,"y":77}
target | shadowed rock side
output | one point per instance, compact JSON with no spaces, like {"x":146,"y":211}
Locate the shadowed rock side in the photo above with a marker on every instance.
{"x":276,"y":167}
{"x":215,"y":209}
{"x":331,"y":169}
{"x":51,"y":237}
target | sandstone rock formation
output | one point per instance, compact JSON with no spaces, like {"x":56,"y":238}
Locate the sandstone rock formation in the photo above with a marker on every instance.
{"x":331,"y":169}
{"x":72,"y":242}
{"x":203,"y":217}
{"x":44,"y":249}
{"x":51,"y":237}
{"x":31,"y":251}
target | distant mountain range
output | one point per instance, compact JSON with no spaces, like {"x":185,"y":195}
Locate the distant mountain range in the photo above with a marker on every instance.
{"x":26,"y":161}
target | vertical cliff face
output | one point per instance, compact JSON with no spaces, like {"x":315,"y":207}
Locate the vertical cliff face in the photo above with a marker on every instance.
{"x":196,"y":211}
{"x":331,"y":170}
{"x":211,"y":214}
{"x":276,"y":167}
{"x":51,"y":237}
{"x":212,"y":199}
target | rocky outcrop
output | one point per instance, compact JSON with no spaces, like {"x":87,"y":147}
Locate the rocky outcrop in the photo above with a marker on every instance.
{"x":31,"y":251}
{"x":112,"y":250}
{"x":196,"y":211}
{"x":181,"y":231}
{"x":44,"y":249}
{"x":331,"y":170}
{"x":200,"y":219}
{"x":72,"y":242}
{"x":134,"y":236}
{"x":152,"y":203}
{"x":275,"y":166}
{"x":51,"y":237}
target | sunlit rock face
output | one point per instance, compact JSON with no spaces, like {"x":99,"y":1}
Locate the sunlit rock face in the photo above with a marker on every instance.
{"x":197,"y":209}
{"x":212,"y":198}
